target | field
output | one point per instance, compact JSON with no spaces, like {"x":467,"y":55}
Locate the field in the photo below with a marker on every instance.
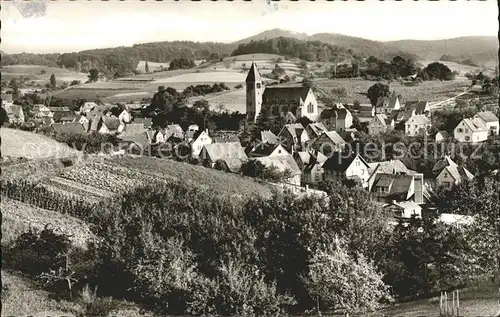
{"x":478,"y":301}
{"x":18,"y":218}
{"x":33,"y":72}
{"x":17,"y":143}
{"x":462,"y":69}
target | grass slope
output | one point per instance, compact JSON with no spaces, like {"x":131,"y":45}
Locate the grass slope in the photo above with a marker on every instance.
{"x":18,"y":143}
{"x":33,"y":72}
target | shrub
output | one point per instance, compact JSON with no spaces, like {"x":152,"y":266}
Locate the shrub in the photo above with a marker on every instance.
{"x":239,"y":86}
{"x":67,"y":162}
{"x":95,"y":306}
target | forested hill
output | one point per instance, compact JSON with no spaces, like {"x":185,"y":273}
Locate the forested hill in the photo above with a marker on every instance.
{"x":124,"y":59}
{"x":292,"y":47}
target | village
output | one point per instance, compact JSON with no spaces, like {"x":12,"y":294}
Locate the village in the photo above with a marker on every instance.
{"x":317,"y":152}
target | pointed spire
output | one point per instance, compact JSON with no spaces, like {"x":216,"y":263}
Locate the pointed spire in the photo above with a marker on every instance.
{"x":253,"y":74}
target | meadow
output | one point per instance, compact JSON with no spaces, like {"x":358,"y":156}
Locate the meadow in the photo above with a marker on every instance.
{"x":34,"y":72}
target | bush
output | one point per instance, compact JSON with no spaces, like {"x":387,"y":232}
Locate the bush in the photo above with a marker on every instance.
{"x":75,"y":82}
{"x":95,"y":306}
{"x":67,"y":162}
{"x":239,"y":86}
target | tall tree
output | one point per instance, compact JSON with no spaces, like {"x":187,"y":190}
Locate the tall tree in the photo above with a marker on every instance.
{"x":93,"y":75}
{"x":53,"y":81}
{"x":147,"y":67}
{"x":376,"y":91}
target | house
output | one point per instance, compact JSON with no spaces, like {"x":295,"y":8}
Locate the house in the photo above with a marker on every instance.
{"x":490,"y":121}
{"x":342,"y":165}
{"x":404,"y":209}
{"x":268,"y":149}
{"x":386,"y":105}
{"x":366,"y":113}
{"x":226,"y":138}
{"x":312,"y":170}
{"x":42,"y":111}
{"x":137,"y":143}
{"x":403,"y":115}
{"x":297,"y":99}
{"x":200,"y":139}
{"x":111,"y":124}
{"x":268,"y":137}
{"x":83,"y":121}
{"x":417,"y":125}
{"x":134,"y":128}
{"x":380,"y":123}
{"x":68,"y":118}
{"x":14,"y":113}
{"x":59,"y":114}
{"x":397,"y":187}
{"x":7,"y":99}
{"x":471,"y":131}
{"x":389,"y":167}
{"x":293,"y":136}
{"x":337,"y":118}
{"x":178,"y":132}
{"x":231,"y":153}
{"x":88,"y":106}
{"x":283,"y":163}
{"x":67,"y":128}
{"x":147,"y":122}
{"x":59,"y":109}
{"x":418,"y":107}
{"x":448,"y":173}
{"x":328,"y":142}
{"x":125,"y":116}
{"x":314,"y":130}
{"x":441,"y":136}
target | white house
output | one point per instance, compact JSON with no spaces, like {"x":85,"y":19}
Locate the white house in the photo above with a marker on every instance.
{"x":380,"y":123}
{"x":200,"y":139}
{"x":471,"y":131}
{"x":417,"y":125}
{"x":347,"y":166}
{"x":441,"y":136}
{"x":387,"y":105}
{"x":125,"y":116}
{"x":268,"y":149}
{"x":490,"y":121}
{"x":337,"y":118}
{"x":404,"y":209}
{"x":453,"y":175}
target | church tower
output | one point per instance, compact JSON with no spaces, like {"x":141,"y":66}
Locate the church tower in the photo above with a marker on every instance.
{"x":255,"y":89}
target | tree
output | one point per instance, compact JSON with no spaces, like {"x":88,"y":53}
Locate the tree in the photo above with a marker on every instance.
{"x":147,"y":67}
{"x":376,"y":91}
{"x":340,"y":281}
{"x":53,"y":81}
{"x":93,"y":75}
{"x":3,"y":116}
{"x":436,"y":70}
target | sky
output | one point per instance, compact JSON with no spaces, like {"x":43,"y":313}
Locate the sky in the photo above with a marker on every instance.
{"x":67,"y":26}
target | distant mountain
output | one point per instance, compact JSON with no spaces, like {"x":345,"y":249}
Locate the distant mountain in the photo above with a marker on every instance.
{"x":271,"y":34}
{"x":480,"y":49}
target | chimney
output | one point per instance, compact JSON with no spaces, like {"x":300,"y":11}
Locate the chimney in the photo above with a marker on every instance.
{"x":307,"y":188}
{"x":419,"y":188}
{"x":293,"y":150}
{"x":206,"y":131}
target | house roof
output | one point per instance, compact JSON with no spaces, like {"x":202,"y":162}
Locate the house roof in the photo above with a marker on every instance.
{"x":218,"y":151}
{"x":476,"y":125}
{"x":68,"y":118}
{"x":176,"y":130}
{"x":282,"y":163}
{"x":341,"y":161}
{"x":15,"y":110}
{"x":317,"y":129}
{"x":399,"y":185}
{"x":268,"y":137}
{"x":284,"y":94}
{"x":95,"y":121}
{"x":295,"y":129}
{"x":58,"y":115}
{"x":315,"y":157}
{"x":140,"y":138}
{"x":226,"y":138}
{"x":147,"y":122}
{"x":388,"y":102}
{"x":253,"y":74}
{"x":442,"y":163}
{"x":89,"y":105}
{"x":68,"y":128}
{"x":6,"y":97}
{"x":487,"y":116}
{"x":264,"y":149}
{"x":57,"y":109}
{"x":112,"y":123}
{"x":134,"y":127}
{"x":390,"y":167}
{"x":289,"y":117}
{"x":443,"y":133}
{"x":334,"y":137}
{"x":419,"y":106}
{"x":381,"y":118}
{"x":419,"y":119}
{"x":408,"y":204}
{"x":458,"y":173}
{"x":339,"y":113}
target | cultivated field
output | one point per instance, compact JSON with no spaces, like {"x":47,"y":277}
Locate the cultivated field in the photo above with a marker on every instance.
{"x":18,"y":217}
{"x":234,"y":100}
{"x":17,"y":143}
{"x":34,"y":72}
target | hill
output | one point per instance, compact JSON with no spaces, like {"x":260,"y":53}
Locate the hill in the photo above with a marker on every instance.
{"x":271,"y":34}
{"x":23,"y":144}
{"x":480,"y":49}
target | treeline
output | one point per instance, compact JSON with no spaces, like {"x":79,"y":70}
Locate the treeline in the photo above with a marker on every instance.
{"x":219,"y":255}
{"x":459,"y":60}
{"x":123,"y":60}
{"x":290,"y":47}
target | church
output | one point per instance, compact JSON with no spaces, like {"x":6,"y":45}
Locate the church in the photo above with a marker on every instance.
{"x":297,"y":100}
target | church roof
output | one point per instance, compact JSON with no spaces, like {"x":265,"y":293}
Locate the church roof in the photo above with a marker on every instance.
{"x":284,"y":95}
{"x":253,"y":74}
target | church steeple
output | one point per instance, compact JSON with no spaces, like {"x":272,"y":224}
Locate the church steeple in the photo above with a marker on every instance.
{"x":255,"y":89}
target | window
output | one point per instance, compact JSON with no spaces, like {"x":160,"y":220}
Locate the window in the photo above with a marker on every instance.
{"x":310,"y":108}
{"x":467,"y":138}
{"x":445,"y":175}
{"x":317,"y":177}
{"x":466,"y":130}
{"x":460,"y":130}
{"x":258,"y":85}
